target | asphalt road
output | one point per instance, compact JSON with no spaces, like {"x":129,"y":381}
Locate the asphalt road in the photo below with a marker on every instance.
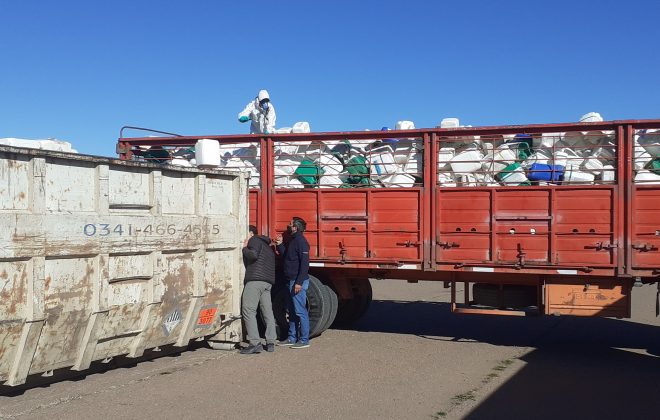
{"x":408,"y":358}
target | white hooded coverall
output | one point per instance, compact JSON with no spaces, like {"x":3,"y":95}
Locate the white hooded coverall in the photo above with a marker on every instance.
{"x":261,"y":122}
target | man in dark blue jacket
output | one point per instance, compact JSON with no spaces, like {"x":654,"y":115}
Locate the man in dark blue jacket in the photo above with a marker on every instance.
{"x":295,"y":256}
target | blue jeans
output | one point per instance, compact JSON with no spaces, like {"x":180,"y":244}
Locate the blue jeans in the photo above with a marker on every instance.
{"x":298,"y":315}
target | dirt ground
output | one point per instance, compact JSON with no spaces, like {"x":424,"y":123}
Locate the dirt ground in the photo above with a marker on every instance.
{"x":408,"y":358}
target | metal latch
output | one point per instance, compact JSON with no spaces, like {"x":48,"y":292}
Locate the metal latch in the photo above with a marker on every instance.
{"x":645,"y":247}
{"x":599,"y":246}
{"x":408,"y":244}
{"x":448,"y":245}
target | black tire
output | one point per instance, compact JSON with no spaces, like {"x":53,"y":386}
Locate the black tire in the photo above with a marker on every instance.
{"x":351,"y":310}
{"x":333,"y":307}
{"x":512,"y":295}
{"x":318,"y":305}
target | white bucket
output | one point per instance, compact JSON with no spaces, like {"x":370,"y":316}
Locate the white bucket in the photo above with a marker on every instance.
{"x":647,"y":177}
{"x":207,"y":152}
{"x":575,"y":176}
{"x":300,"y":127}
{"x":398,"y":180}
{"x":382,"y":162}
{"x":467,"y":161}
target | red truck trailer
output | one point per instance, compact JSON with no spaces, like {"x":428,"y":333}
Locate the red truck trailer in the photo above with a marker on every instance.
{"x":533,"y":219}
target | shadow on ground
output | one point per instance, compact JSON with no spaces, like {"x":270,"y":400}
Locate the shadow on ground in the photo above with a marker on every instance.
{"x":580,"y":368}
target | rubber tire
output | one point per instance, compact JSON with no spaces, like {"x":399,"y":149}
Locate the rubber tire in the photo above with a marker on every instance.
{"x":513,"y":295}
{"x":318,"y":305}
{"x":333,"y":307}
{"x":351,"y":310}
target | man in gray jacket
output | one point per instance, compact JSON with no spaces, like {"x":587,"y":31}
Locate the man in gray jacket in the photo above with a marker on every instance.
{"x":259,"y":260}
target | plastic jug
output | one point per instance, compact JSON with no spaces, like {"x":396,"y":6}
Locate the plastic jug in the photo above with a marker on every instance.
{"x":543,"y":172}
{"x":207,"y":153}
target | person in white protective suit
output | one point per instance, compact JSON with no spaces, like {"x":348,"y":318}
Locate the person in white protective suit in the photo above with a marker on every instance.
{"x":262,"y":114}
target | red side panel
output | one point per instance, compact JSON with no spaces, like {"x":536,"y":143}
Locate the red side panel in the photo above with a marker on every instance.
{"x":646,"y":227}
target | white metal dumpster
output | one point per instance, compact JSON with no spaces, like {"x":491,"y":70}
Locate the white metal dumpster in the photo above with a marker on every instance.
{"x":101,"y":257}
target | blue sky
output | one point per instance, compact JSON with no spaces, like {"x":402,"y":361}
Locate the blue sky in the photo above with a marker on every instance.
{"x":79,"y":70}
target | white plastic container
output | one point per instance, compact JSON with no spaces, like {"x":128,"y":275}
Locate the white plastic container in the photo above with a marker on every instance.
{"x":405,"y":125}
{"x":503,"y":156}
{"x":467,"y":161}
{"x":300,"y":127}
{"x":548,"y":140}
{"x":647,"y":177}
{"x":283,"y":130}
{"x":541,"y":156}
{"x":444,"y":156}
{"x":288,"y":181}
{"x":608,"y":174}
{"x":381,"y":160}
{"x":592,"y":165}
{"x":642,"y":158}
{"x":567,"y":158}
{"x":467,"y":180}
{"x":207,"y":153}
{"x":576,"y":176}
{"x":330,"y":181}
{"x":330,"y":165}
{"x":398,"y":180}
{"x":650,"y":141}
{"x":415,"y":163}
{"x":286,"y":166}
{"x":515,"y":177}
{"x":181,"y":162}
{"x":286,"y":149}
{"x":404,"y":149}
{"x":450,"y":123}
{"x":446,"y":179}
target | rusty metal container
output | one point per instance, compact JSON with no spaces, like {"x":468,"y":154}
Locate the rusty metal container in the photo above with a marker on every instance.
{"x":102,"y":257}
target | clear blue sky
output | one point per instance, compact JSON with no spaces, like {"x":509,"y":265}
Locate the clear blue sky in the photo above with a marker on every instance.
{"x":79,"y":70}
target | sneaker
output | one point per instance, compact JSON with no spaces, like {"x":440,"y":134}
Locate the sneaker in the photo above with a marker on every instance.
{"x":285,"y":343}
{"x":270,"y":347}
{"x":300,"y":345}
{"x":252,"y":349}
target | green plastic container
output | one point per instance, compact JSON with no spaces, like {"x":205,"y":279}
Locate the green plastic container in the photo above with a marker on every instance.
{"x":308,"y":172}
{"x":654,"y":166}
{"x":509,"y":171}
{"x":357,"y":167}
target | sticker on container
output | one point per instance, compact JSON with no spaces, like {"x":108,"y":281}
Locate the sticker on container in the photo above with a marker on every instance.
{"x":171,"y":321}
{"x":206,"y":316}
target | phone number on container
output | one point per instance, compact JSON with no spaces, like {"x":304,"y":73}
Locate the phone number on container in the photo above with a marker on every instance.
{"x":105,"y":229}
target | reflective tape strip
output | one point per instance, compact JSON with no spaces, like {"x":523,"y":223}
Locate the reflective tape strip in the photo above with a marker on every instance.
{"x":313,"y":264}
{"x":483,"y":269}
{"x":567,"y":272}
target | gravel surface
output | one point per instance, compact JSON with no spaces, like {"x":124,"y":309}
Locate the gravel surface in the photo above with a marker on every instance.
{"x":408,"y":358}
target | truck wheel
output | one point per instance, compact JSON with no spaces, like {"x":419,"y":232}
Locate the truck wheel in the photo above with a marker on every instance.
{"x":351,"y":310}
{"x":318,"y":306}
{"x":512,"y":295}
{"x":334,"y":306}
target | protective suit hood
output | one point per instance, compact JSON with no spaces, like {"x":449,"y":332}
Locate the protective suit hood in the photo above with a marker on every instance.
{"x":263,"y":94}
